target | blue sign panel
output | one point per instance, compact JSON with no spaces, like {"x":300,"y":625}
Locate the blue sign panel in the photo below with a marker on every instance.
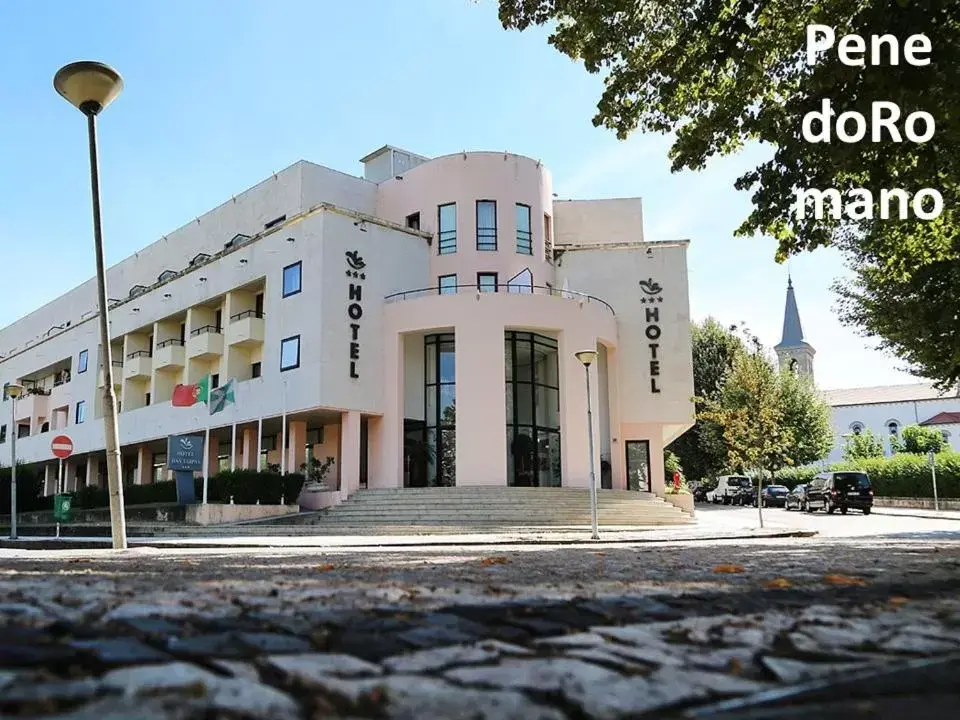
{"x":185,"y":452}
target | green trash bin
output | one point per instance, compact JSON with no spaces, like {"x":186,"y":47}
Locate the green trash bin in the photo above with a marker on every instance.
{"x":61,"y":507}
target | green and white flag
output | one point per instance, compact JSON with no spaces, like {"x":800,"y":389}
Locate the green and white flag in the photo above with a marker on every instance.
{"x":222,"y":396}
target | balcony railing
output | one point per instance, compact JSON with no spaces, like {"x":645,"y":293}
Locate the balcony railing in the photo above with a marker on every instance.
{"x":139,"y":353}
{"x":169,"y":343}
{"x":246,"y":314}
{"x":205,"y":329}
{"x":501,"y":288}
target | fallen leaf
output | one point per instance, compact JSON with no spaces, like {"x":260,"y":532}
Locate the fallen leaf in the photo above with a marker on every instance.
{"x":326,"y":568}
{"x":728,"y":569}
{"x":898,"y":600}
{"x":494,"y":561}
{"x":735,"y":667}
{"x":844,"y":580}
{"x":778,"y":584}
{"x":600,"y":554}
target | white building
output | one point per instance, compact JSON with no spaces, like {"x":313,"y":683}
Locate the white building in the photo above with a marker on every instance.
{"x":435,"y":301}
{"x":884,"y":410}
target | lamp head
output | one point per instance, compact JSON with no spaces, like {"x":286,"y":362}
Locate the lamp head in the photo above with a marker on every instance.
{"x":587,"y":357}
{"x":88,"y":86}
{"x":14,"y":390}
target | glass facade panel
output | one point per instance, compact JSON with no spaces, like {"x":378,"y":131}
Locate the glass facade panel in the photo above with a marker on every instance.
{"x":524,"y":236}
{"x":533,"y":410}
{"x":448,"y":285}
{"x":441,"y":412}
{"x":447,"y":232}
{"x":486,"y":225}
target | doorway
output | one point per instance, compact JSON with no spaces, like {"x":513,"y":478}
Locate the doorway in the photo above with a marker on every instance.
{"x":638,"y":465}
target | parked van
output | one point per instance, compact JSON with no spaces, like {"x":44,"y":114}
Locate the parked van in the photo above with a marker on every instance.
{"x":843,"y":490}
{"x":728,"y":488}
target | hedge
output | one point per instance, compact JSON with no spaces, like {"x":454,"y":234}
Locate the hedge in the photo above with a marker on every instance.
{"x":245,"y":486}
{"x":902,"y":475}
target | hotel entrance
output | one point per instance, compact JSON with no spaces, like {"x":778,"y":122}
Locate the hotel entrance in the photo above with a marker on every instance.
{"x":638,"y":465}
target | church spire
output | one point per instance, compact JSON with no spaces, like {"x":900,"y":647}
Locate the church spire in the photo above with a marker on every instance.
{"x":793,"y":351}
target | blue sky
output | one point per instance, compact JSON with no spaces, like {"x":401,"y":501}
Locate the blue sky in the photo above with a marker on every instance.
{"x":220,"y":94}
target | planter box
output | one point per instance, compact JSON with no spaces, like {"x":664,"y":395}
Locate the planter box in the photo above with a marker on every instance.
{"x":217,"y":514}
{"x":684,"y":502}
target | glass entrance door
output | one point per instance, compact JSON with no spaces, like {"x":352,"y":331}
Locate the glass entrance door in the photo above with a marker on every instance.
{"x":638,"y":465}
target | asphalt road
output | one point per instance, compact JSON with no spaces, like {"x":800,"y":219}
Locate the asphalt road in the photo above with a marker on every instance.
{"x":883,"y":522}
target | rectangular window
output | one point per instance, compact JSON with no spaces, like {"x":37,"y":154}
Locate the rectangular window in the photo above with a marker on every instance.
{"x":413,"y":221}
{"x":219,"y":321}
{"x":291,"y":279}
{"x":183,"y":333}
{"x":486,"y":225}
{"x":547,"y":238}
{"x":23,"y":431}
{"x":215,"y":381}
{"x":258,"y":305}
{"x":448,"y":284}
{"x":146,"y":399}
{"x":255,"y":370}
{"x":82,"y":362}
{"x":3,"y":433}
{"x":447,"y":229}
{"x":524,"y":234}
{"x":290,"y":353}
{"x":487,"y":282}
{"x":274,"y":222}
{"x":81,"y":412}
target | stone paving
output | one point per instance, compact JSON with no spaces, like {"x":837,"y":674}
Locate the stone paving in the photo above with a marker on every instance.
{"x":809,"y":628}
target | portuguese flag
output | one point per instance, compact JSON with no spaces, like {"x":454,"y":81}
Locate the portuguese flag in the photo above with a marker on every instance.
{"x":187,"y":395}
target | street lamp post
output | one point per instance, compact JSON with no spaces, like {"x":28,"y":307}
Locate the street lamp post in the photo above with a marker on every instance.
{"x":588,"y":357}
{"x":13,"y":392}
{"x":90,"y":87}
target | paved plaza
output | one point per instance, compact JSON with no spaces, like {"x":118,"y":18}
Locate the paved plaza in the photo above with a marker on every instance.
{"x":863,"y":625}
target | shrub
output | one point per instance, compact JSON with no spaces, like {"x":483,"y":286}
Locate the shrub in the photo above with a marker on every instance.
{"x":29,"y":491}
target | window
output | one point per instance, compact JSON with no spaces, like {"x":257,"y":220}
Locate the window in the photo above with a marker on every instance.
{"x":945,"y":434}
{"x":81,"y":412}
{"x":547,"y":238}
{"x":82,"y":362}
{"x":524,"y":235}
{"x":274,"y":222}
{"x":521,"y":283}
{"x":146,"y":399}
{"x":199,"y":259}
{"x":3,"y":433}
{"x":291,"y":279}
{"x":255,"y":370}
{"x":447,"y":232}
{"x":23,"y":431}
{"x":159,"y":467}
{"x":431,"y":449}
{"x":215,"y":381}
{"x":857,"y":428}
{"x":487,"y":282}
{"x":413,"y":221}
{"x":448,"y":284}
{"x":166,"y":275}
{"x":290,"y":353}
{"x":893,"y":427}
{"x":258,"y":305}
{"x":183,"y":333}
{"x":486,"y":225}
{"x":218,"y":321}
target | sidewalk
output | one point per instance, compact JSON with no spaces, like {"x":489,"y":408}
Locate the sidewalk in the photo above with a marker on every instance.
{"x":917,"y":513}
{"x":571,"y":537}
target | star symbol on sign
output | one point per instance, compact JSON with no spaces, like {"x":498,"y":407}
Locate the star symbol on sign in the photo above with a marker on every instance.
{"x":643,"y":301}
{"x":363,"y":276}
{"x":659,"y":299}
{"x":349,"y":273}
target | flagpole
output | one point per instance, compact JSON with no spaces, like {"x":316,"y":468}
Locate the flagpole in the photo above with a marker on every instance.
{"x":259,"y":442}
{"x":233,"y":447}
{"x":283,"y":444}
{"x":206,"y":454}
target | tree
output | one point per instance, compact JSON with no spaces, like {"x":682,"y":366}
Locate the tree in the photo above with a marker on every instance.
{"x":919,"y":440}
{"x":701,"y":450}
{"x":809,"y":416}
{"x":862,"y":445}
{"x":720,"y":74}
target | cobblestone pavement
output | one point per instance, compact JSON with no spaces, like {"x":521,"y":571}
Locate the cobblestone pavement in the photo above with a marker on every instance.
{"x":809,"y":627}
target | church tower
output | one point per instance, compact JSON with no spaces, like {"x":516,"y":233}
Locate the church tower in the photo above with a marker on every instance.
{"x":793,"y":351}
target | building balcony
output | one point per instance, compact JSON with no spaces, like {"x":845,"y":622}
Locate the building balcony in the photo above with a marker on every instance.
{"x":502,"y":288}
{"x":170,"y":355}
{"x":116,"y":371}
{"x":139,"y":364}
{"x":245,"y":329}
{"x":205,"y":342}
{"x":33,"y":404}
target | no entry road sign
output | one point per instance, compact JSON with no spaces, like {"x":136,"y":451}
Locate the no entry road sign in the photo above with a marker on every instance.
{"x":62,"y":446}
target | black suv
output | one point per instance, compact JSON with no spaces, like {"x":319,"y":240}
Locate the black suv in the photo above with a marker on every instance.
{"x":843,"y":490}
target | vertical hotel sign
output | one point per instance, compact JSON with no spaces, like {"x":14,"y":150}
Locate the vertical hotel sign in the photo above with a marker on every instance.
{"x":355,"y":266}
{"x":651,"y":299}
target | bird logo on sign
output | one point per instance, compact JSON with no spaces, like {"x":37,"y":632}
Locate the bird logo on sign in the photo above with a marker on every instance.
{"x":354,"y":260}
{"x":186,"y":444}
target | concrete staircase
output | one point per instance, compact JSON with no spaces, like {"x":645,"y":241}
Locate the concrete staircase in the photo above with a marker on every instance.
{"x":408,"y":510}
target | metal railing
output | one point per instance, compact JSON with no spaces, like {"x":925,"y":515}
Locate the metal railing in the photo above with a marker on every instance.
{"x":139,"y":353}
{"x":205,"y":329}
{"x":501,"y":288}
{"x":246,"y":314}
{"x":169,"y":343}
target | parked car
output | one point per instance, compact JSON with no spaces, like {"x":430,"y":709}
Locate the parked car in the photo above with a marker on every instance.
{"x":773,"y":496}
{"x":729,"y":487}
{"x":797,"y":498}
{"x":700,"y":492}
{"x":843,"y":490}
{"x":746,"y":496}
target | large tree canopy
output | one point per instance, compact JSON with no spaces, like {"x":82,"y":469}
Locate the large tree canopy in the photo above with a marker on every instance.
{"x":721,"y":73}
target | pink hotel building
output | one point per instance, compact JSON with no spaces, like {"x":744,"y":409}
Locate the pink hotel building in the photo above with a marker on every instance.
{"x":418,"y":324}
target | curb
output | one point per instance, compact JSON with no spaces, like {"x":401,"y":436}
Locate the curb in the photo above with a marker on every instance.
{"x":412,"y":541}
